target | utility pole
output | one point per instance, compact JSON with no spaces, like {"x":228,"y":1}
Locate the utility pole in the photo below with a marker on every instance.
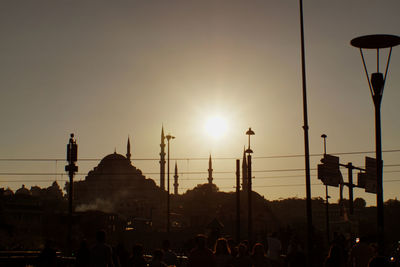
{"x":328,"y":236}
{"x":71,"y":168}
{"x":249,"y":190}
{"x":306,"y":144}
{"x":237,"y":200}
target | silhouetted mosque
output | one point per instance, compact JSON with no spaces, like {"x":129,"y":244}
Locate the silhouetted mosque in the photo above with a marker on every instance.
{"x":116,"y":185}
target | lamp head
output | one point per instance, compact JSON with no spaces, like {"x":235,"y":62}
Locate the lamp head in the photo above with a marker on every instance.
{"x":249,"y":151}
{"x":377,"y":82}
{"x":169,"y":137}
{"x":250,"y":132}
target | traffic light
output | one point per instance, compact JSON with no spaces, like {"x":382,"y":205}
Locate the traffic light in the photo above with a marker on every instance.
{"x":72,"y":150}
{"x":329,"y":171}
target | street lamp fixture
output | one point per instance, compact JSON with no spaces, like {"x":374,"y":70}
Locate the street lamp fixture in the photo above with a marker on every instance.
{"x":376,"y":85}
{"x":249,"y":133}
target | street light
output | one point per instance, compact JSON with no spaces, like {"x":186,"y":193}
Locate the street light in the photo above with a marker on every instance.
{"x":169,"y":137}
{"x":376,"y":85}
{"x":324,"y":136}
{"x":249,"y":132}
{"x":71,"y":168}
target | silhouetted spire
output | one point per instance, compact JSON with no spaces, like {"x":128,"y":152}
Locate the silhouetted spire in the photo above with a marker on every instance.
{"x":210,"y":170}
{"x":244,"y":171}
{"x":128,"y":150}
{"x":176,"y":179}
{"x":162,"y":160}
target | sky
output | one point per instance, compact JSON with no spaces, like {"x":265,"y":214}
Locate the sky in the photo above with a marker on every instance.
{"x":106,"y":70}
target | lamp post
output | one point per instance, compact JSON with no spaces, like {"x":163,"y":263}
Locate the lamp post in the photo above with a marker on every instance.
{"x":249,"y":179}
{"x":376,"y":85}
{"x":169,"y":137}
{"x":324,"y":136}
{"x":306,"y":141}
{"x":71,"y":168}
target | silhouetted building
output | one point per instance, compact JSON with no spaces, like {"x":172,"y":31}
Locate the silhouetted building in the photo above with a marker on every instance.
{"x":116,"y":186}
{"x":210,"y":170}
{"x":29,"y":216}
{"x":128,"y":150}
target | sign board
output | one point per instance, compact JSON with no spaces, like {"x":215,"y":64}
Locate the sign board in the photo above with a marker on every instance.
{"x":361,"y":179}
{"x":329,"y":172}
{"x":370,"y":182}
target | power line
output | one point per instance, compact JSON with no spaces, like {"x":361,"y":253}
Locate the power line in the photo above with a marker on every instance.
{"x":201,"y":158}
{"x":157,"y":173}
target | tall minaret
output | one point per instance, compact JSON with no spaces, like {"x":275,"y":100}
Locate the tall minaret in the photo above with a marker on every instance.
{"x":128,"y":150}
{"x":210,"y":170}
{"x":176,"y":179}
{"x":162,"y":160}
{"x":244,"y":172}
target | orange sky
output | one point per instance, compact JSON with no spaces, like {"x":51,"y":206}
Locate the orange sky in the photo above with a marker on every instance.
{"x":106,"y":70}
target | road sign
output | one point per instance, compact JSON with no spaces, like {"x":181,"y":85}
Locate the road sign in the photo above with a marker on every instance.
{"x":329,"y":172}
{"x":361,"y":179}
{"x":370,"y":181}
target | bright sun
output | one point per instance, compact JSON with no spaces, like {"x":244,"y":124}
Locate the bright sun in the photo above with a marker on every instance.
{"x":216,"y":127}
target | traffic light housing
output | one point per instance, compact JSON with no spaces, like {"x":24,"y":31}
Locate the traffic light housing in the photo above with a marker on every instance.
{"x":72,"y":150}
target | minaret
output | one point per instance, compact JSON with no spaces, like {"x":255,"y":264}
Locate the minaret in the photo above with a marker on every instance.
{"x":210,"y":170}
{"x":162,"y":160}
{"x":244,"y":172}
{"x":128,"y":150}
{"x":176,"y":180}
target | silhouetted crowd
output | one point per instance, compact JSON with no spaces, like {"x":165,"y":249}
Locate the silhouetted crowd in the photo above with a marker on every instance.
{"x":225,"y":253}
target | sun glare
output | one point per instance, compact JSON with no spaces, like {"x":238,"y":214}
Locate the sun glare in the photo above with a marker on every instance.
{"x":216,"y":127}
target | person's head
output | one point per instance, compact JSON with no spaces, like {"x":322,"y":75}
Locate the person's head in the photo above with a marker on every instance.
{"x":258,"y":250}
{"x":101,"y":236}
{"x":158,"y":254}
{"x":221,"y":247}
{"x":200,"y":241}
{"x":242,"y":250}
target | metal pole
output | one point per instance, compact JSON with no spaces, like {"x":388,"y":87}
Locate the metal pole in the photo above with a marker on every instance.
{"x":238,"y":200}
{"x":306,"y":145}
{"x":71,"y":168}
{"x":250,"y":220}
{"x":328,"y":236}
{"x":168,"y":212}
{"x":70,"y":194}
{"x":351,"y":200}
{"x":379,"y":178}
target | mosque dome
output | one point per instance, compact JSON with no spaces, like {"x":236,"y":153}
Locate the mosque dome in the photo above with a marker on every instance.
{"x":115,"y":164}
{"x":8,"y":192}
{"x":114,"y":159}
{"x":22,"y":191}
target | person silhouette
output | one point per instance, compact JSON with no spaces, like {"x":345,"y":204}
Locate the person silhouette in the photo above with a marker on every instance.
{"x":201,"y":256}
{"x":101,"y":253}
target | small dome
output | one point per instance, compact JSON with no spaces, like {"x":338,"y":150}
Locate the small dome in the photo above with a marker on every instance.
{"x":8,"y":192}
{"x":22,"y":191}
